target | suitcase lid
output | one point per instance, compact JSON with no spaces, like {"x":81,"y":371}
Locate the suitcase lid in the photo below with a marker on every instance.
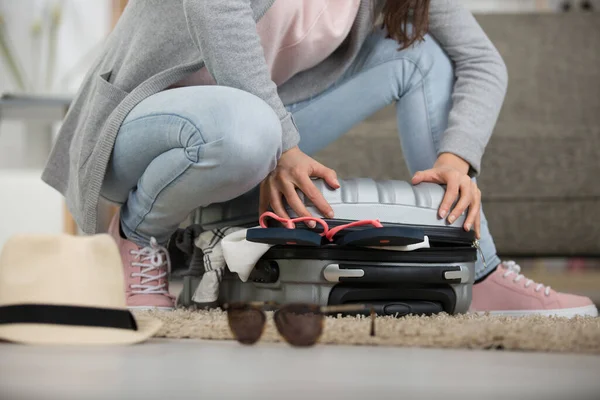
{"x":443,"y":236}
{"x":392,"y":202}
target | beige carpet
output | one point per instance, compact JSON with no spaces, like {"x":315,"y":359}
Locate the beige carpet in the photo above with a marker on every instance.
{"x":540,"y":334}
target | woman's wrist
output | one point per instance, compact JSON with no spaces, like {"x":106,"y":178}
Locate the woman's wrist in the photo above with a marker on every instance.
{"x":453,"y":161}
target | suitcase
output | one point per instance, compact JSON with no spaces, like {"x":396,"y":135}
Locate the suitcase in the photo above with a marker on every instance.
{"x":436,"y":278}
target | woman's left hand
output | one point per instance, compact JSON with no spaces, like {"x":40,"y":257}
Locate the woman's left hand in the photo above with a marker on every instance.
{"x":452,"y":171}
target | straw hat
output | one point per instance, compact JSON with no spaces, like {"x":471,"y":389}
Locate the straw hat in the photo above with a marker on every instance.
{"x":62,"y":289}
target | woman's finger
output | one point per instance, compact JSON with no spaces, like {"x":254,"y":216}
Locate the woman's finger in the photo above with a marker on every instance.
{"x":426,"y":176}
{"x":474,"y":208}
{"x":294,"y":201}
{"x":276,"y":203}
{"x":466,"y":198}
{"x":327,"y":174}
{"x":452,"y":186}
{"x":309,"y":189}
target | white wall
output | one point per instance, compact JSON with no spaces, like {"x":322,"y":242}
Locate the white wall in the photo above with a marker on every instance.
{"x":27,"y":204}
{"x":84,"y":25}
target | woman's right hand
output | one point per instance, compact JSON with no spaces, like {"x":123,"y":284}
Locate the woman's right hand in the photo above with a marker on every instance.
{"x":294,"y":171}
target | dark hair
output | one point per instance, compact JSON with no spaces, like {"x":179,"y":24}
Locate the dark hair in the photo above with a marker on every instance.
{"x":406,"y":21}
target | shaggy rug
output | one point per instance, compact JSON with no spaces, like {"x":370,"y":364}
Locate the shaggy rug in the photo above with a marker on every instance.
{"x":536,"y":333}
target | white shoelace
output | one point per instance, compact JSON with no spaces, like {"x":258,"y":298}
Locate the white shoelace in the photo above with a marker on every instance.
{"x":513,"y":268}
{"x":151,"y":259}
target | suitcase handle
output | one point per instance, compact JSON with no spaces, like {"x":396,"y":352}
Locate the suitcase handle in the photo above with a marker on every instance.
{"x":365,"y":273}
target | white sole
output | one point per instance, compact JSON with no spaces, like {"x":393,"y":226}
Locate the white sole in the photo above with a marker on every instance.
{"x":587,"y":311}
{"x":147,"y":308}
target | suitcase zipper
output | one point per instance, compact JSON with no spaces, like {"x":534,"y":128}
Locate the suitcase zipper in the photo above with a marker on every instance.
{"x":476,"y":245}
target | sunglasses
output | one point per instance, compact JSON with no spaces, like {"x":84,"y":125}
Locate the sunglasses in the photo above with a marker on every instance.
{"x":301,"y":325}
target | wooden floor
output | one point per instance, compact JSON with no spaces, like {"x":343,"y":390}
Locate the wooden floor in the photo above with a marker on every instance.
{"x":164,"y":369}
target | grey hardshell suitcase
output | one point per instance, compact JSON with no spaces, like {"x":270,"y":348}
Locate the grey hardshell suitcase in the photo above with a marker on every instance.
{"x":437,"y":278}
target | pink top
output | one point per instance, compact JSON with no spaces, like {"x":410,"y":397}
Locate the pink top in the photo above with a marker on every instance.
{"x":297,"y":35}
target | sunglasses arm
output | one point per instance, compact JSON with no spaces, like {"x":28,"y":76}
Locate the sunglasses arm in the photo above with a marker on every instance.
{"x":342,"y":308}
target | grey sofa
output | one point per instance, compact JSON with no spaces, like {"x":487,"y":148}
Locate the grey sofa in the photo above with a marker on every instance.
{"x":541,"y":171}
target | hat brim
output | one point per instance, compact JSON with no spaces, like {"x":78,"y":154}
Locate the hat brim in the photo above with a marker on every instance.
{"x":46,"y":334}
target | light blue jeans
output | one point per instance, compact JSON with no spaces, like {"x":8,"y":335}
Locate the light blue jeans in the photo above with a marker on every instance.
{"x":190,"y":147}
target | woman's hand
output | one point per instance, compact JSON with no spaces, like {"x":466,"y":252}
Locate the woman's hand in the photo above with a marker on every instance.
{"x":453,"y":172}
{"x":294,"y":170}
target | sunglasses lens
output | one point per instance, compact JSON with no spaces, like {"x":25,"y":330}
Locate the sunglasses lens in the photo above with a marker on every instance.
{"x":246,"y":323}
{"x":300,"y":325}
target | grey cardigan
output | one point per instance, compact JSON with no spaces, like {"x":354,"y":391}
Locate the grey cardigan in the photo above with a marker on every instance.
{"x":157,"y":43}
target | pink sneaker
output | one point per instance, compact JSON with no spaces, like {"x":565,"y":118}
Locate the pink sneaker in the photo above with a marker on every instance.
{"x":507,"y":292}
{"x":146,"y":272}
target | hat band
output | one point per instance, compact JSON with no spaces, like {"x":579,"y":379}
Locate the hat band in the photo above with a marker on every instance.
{"x":67,"y":315}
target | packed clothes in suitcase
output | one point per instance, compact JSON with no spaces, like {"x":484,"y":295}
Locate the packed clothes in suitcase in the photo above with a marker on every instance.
{"x":386,"y":248}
